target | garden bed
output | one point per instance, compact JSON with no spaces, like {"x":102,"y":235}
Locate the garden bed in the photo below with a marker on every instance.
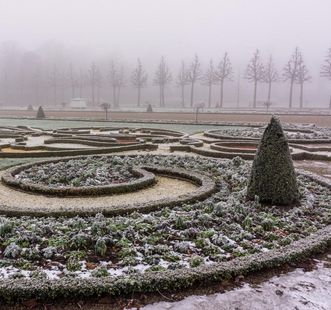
{"x":192,"y":242}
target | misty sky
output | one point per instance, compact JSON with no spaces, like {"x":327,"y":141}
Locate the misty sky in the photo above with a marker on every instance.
{"x":177,"y":29}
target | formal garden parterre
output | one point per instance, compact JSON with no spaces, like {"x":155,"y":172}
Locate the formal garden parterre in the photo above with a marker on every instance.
{"x":210,"y":237}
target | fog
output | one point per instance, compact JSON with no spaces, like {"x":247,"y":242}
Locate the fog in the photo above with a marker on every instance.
{"x":44,"y":44}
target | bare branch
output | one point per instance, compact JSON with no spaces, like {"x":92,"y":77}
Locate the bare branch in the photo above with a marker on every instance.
{"x":326,"y":67}
{"x":224,"y":69}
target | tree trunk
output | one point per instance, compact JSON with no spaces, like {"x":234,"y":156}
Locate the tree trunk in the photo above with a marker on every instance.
{"x":73,"y":90}
{"x":209,"y":96}
{"x":269,"y":93}
{"x":118,"y":95}
{"x":139,"y":89}
{"x":183,"y":94}
{"x":192,"y":93}
{"x":221,"y":94}
{"x":114,"y":96}
{"x":98,"y":95}
{"x":291,"y":94}
{"x":301,"y":95}
{"x":255,"y":90}
{"x":93,"y":96}
{"x":163,"y":99}
{"x":55,"y":95}
{"x":160,"y":94}
{"x":81,"y":90}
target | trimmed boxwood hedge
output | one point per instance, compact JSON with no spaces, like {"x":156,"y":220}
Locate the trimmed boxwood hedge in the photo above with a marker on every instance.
{"x":145,"y":179}
{"x":131,"y":147}
{"x":17,"y":290}
{"x":206,"y":187}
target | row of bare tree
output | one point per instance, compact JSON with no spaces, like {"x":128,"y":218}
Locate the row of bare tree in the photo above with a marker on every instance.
{"x":295,"y":72}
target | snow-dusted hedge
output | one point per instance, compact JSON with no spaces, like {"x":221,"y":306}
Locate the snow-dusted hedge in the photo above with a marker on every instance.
{"x":294,"y":135}
{"x":105,"y":150}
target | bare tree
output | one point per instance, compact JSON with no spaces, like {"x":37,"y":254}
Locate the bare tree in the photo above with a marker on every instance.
{"x":63,"y":85}
{"x":121,"y":82}
{"x":139,"y":79}
{"x":302,"y":77}
{"x":98,"y":85}
{"x":224,"y":73}
{"x":255,"y":72}
{"x":326,"y":69}
{"x":270,"y":76}
{"x":162,"y":78}
{"x":209,"y":79}
{"x":93,"y":80}
{"x":73,"y":80}
{"x":290,"y":72}
{"x":193,"y":75}
{"x":181,"y":81}
{"x":82,"y":81}
{"x":112,"y":75}
{"x":117,"y":81}
{"x":54,"y":78}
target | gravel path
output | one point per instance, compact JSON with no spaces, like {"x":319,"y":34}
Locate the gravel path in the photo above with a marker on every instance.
{"x":166,"y":187}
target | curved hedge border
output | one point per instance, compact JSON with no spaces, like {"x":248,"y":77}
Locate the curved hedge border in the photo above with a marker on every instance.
{"x":84,"y":142}
{"x":131,"y":147}
{"x":233,"y":147}
{"x":206,"y":188}
{"x":145,"y":179}
{"x":247,"y":156}
{"x":169,"y":280}
{"x":210,"y":153}
{"x":213,"y":134}
{"x":313,"y":149}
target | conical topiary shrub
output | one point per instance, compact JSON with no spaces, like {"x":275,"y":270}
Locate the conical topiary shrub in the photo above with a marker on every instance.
{"x":149,"y":108}
{"x":273,"y":177}
{"x":40,"y":113}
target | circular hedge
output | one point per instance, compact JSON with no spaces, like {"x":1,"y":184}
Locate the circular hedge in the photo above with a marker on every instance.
{"x":143,"y":165}
{"x":139,"y":178}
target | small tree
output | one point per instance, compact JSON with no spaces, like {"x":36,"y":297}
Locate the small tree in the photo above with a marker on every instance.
{"x":40,"y":113}
{"x":182,"y":81}
{"x":290,"y":72}
{"x":105,"y":106}
{"x":302,"y":77}
{"x":193,"y":75}
{"x":162,"y":78}
{"x":209,"y":79}
{"x":326,"y":69}
{"x":223,"y":73}
{"x":139,"y":79}
{"x":270,"y":76}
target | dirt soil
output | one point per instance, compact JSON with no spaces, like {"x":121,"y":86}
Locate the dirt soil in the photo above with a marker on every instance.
{"x":319,"y":120}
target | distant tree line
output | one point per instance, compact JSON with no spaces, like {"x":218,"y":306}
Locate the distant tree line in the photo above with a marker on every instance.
{"x":26,"y":75}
